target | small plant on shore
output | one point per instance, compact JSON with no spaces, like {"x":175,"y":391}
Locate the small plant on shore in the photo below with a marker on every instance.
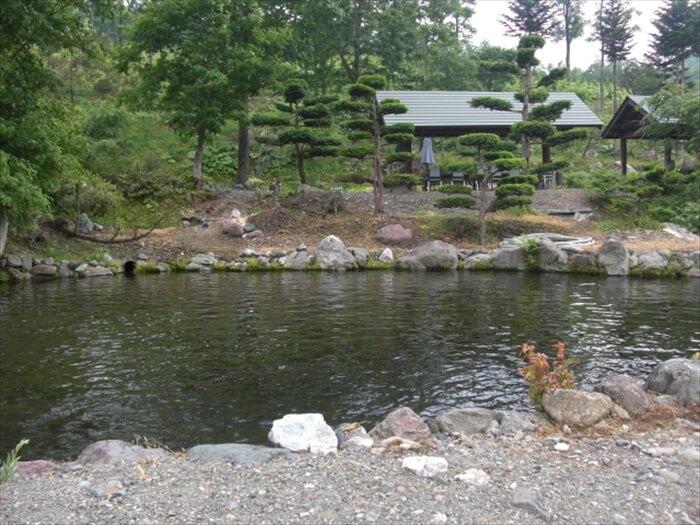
{"x":9,"y":466}
{"x":544,"y":376}
{"x":529,"y":247}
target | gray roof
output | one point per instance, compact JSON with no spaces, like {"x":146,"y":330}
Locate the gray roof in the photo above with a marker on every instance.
{"x":435,"y":111}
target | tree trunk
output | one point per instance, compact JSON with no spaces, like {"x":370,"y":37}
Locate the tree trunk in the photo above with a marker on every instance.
{"x":4,"y":227}
{"x":601,"y":83}
{"x":614,"y":64}
{"x":243,"y":146}
{"x":198,"y":160}
{"x":299,"y":153}
{"x":568,"y":58}
{"x":377,"y":164}
{"x":482,"y":210}
{"x":524,"y":141}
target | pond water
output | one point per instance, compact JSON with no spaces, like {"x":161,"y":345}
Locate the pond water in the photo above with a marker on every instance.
{"x":206,"y":358}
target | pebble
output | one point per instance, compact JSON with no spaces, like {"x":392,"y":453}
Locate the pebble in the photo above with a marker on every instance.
{"x":659,"y":452}
{"x":561,"y":447}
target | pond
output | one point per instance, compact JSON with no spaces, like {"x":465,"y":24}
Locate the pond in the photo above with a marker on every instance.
{"x":205,"y":358}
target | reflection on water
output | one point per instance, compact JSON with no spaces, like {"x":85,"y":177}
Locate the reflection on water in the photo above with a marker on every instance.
{"x":194,"y":358}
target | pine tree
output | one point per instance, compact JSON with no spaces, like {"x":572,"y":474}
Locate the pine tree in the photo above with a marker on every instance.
{"x":676,"y":37}
{"x":531,"y":17}
{"x":572,"y":27}
{"x":617,"y":31}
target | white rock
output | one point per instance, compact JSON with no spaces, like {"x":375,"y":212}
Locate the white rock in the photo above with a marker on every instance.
{"x":561,"y":447}
{"x":425,"y":466}
{"x":387,"y":256}
{"x":438,"y":518}
{"x":361,"y":441}
{"x":302,"y":432}
{"x":658,"y":452}
{"x":474,"y":476}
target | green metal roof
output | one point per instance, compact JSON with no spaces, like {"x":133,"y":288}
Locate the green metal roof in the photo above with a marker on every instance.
{"x":448,"y":113}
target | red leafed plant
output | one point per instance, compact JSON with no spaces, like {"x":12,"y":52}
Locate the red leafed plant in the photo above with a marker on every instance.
{"x":544,"y":376}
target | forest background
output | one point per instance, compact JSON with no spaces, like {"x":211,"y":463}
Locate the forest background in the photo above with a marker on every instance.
{"x":131,"y":110}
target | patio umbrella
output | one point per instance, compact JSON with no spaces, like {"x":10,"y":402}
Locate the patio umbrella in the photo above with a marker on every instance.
{"x":426,"y":154}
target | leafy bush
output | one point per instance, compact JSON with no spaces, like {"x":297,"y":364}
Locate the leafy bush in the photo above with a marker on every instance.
{"x":543,"y":376}
{"x":397,"y":179}
{"x":509,"y":202}
{"x":398,"y":156}
{"x":454,"y":188}
{"x":454,"y":201}
{"x":508,"y":189}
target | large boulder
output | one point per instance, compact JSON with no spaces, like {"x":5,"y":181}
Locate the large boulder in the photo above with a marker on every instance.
{"x":652,"y":261}
{"x":678,"y":377}
{"x":331,"y":254}
{"x":204,"y":259}
{"x":624,"y":391}
{"x":404,"y":423}
{"x":575,"y":407}
{"x":13,"y":261}
{"x":314,"y":200}
{"x":233,"y":228}
{"x":302,"y":432}
{"x":236,"y":453}
{"x":361,"y":256}
{"x":585,"y":261}
{"x":550,"y":258}
{"x":111,"y":452}
{"x":435,"y":255}
{"x":98,"y":271}
{"x":509,"y":258}
{"x":85,"y":225}
{"x":44,"y":270}
{"x":477,"y":260}
{"x":298,"y":260}
{"x":614,"y":258}
{"x":466,"y":421}
{"x":395,"y":234}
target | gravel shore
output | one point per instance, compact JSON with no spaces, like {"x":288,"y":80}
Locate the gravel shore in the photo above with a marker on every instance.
{"x":621,"y":478}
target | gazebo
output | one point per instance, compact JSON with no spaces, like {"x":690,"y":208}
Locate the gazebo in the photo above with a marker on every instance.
{"x":449,"y":114}
{"x":627,"y":123}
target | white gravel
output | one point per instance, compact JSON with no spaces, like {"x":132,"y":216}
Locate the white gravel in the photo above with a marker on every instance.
{"x":619,"y":479}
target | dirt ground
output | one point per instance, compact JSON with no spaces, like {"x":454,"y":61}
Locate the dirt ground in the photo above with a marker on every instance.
{"x":284,"y":229}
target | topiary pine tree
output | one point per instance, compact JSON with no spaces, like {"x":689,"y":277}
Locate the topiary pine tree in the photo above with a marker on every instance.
{"x":479,"y":144}
{"x":299,"y":121}
{"x":368,"y":132}
{"x":536,"y":120}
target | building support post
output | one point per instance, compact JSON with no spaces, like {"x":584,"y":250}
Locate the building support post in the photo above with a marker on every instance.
{"x":623,"y":156}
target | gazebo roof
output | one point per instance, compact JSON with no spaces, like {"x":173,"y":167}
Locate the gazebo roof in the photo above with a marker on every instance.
{"x":448,"y":113}
{"x":628,"y":120}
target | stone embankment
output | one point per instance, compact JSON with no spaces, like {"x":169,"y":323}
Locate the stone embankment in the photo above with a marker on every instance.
{"x":539,"y":253}
{"x":582,"y":462}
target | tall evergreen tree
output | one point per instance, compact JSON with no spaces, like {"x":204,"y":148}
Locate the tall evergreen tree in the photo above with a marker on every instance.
{"x":572,"y":27}
{"x":676,"y":38}
{"x":531,"y":17}
{"x":617,"y":31}
{"x":600,"y":35}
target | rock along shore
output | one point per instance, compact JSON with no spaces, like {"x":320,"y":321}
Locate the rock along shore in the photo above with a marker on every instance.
{"x":537,"y":253}
{"x":586,"y":464}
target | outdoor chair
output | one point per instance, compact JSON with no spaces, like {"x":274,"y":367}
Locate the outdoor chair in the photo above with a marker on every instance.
{"x":458,"y":178}
{"x":434,"y":177}
{"x":549,"y":181}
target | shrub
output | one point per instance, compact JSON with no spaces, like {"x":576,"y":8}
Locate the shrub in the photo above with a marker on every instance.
{"x":454,"y":188}
{"x":521,"y":179}
{"x":507,"y":189}
{"x":511,"y":201}
{"x":543,"y":376}
{"x":397,"y":179}
{"x":454,"y":201}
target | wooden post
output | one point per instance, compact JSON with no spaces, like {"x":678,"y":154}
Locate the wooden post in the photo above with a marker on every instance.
{"x":623,"y":156}
{"x":668,"y":157}
{"x":546,"y":153}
